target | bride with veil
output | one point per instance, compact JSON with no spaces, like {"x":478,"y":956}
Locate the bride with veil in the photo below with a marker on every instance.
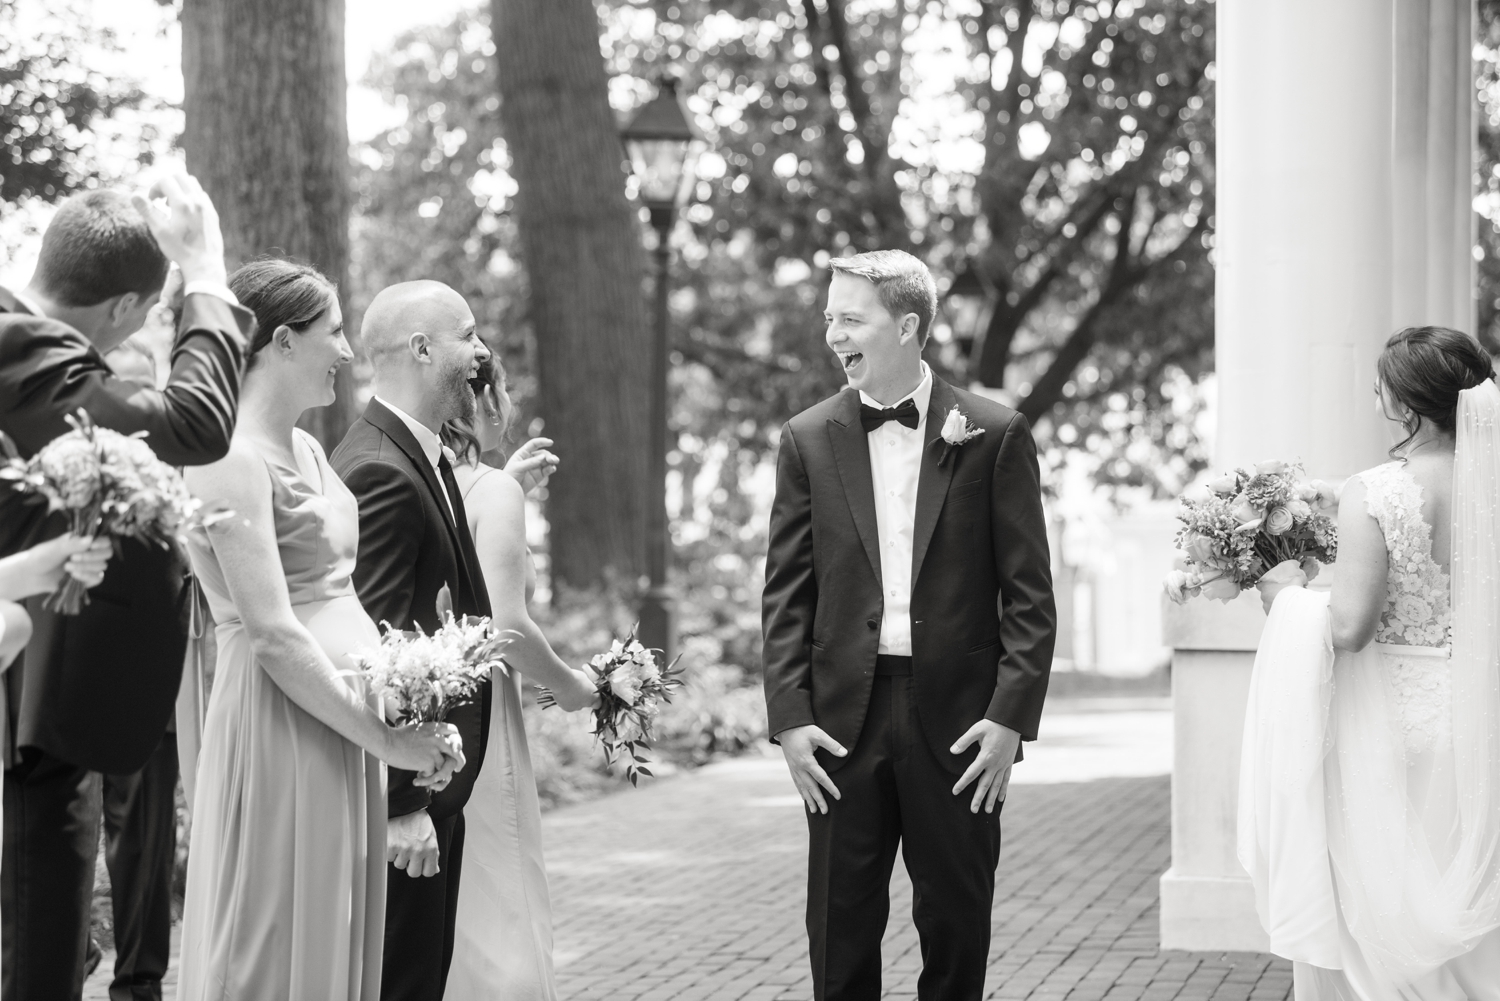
{"x":1370,"y":783}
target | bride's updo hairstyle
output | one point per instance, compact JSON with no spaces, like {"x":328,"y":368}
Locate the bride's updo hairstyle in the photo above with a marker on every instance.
{"x":1424,"y":369}
{"x":463,"y":436}
{"x":280,"y":294}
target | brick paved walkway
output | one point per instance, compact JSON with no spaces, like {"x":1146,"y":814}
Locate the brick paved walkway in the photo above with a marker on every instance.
{"x":692,"y":889}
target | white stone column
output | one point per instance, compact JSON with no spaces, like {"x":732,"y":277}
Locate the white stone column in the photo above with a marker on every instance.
{"x":1344,"y":213}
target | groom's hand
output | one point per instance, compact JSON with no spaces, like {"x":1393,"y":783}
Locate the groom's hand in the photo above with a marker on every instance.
{"x":411,"y":843}
{"x":997,"y":752}
{"x":798,"y":745}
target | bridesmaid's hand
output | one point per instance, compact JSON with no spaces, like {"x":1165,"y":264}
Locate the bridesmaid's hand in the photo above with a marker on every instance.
{"x":41,"y":569}
{"x":532,"y":465}
{"x":425,"y":748}
{"x":578,"y":694}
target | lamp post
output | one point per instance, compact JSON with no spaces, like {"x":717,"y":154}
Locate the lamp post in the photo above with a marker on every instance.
{"x":969,"y":295}
{"x":663,"y":145}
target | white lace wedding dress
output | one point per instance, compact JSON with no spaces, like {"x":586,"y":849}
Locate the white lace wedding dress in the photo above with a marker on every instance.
{"x":1370,"y":782}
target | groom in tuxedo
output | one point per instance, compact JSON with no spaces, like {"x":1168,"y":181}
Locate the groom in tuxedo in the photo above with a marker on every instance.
{"x":94,"y":692}
{"x":413,"y":541}
{"x":909,"y":626}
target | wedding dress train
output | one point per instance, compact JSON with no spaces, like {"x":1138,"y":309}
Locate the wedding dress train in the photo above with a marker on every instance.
{"x":1370,"y":782}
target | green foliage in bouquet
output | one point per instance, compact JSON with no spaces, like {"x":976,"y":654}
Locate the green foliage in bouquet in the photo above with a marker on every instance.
{"x":1250,"y":521}
{"x":631,"y":686}
{"x":106,"y":483}
{"x":421,"y":677}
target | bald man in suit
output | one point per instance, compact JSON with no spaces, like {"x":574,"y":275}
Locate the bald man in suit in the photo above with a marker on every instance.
{"x":414,"y":542}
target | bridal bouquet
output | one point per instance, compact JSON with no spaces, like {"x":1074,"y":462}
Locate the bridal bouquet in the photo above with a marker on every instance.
{"x":420,"y":677}
{"x":631,"y":687}
{"x":1252,"y":520}
{"x":107,"y":483}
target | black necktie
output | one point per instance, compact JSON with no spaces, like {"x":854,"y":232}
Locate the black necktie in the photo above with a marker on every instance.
{"x":905,"y":413}
{"x":467,"y":558}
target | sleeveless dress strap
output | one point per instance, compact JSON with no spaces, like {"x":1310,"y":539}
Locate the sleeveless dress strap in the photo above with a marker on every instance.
{"x":483,"y":472}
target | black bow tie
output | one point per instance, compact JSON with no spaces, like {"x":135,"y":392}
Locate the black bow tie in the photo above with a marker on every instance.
{"x":904,"y":413}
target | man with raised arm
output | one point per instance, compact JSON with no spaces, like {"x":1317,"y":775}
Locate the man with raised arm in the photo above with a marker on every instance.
{"x":94,"y":692}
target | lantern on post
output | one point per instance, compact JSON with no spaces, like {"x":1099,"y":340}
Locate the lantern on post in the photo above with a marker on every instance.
{"x":968,"y":299}
{"x":664,"y":147}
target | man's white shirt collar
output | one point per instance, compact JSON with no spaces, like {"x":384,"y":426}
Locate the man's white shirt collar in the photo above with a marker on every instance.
{"x":431,"y":445}
{"x":921,"y":396}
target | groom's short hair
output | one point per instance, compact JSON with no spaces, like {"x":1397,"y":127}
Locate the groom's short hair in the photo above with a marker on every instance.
{"x":902,"y":282}
{"x":98,"y":247}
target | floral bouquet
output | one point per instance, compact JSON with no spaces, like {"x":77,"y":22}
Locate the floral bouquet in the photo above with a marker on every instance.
{"x":107,"y":483}
{"x":1251,"y":521}
{"x":631,"y":687}
{"x":420,"y":677}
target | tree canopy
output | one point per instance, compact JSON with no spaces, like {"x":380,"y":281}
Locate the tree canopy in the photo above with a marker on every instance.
{"x":1079,"y":186}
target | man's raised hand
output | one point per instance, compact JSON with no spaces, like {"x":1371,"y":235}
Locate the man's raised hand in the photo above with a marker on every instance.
{"x":188,"y":229}
{"x":797,"y":745}
{"x":997,"y":753}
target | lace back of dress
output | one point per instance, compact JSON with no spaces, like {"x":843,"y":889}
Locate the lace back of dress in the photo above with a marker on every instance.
{"x":1417,"y":611}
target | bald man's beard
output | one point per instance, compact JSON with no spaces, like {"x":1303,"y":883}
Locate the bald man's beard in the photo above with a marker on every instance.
{"x":458,"y":396}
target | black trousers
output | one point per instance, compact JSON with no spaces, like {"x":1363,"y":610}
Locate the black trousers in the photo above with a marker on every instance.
{"x":140,"y":842}
{"x":419,"y":917}
{"x":52,"y":812}
{"x":895,"y":793}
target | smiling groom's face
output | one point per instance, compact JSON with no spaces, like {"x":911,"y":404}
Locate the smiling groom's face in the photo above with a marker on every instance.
{"x":876,"y":349}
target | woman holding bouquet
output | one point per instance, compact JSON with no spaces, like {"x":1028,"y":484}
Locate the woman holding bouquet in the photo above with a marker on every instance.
{"x":503,"y":934}
{"x":286,"y":880}
{"x":1398,"y":896}
{"x":39,"y":570}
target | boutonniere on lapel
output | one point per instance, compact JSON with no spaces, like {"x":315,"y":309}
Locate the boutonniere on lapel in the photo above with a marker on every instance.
{"x":956,"y":431}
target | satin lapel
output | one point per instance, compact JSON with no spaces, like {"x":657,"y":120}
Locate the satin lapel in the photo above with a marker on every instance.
{"x":851,"y":450}
{"x":932,"y":479}
{"x":397,"y":431}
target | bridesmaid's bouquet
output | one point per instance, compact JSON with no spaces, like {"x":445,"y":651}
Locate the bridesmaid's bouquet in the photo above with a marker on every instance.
{"x":1252,"y":520}
{"x":631,"y":686}
{"x":420,"y":677}
{"x":108,"y":483}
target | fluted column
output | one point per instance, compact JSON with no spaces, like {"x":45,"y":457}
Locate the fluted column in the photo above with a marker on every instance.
{"x":1344,"y":213}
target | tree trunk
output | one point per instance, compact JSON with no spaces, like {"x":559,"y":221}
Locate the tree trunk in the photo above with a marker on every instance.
{"x":586,"y":269}
{"x":267,"y":135}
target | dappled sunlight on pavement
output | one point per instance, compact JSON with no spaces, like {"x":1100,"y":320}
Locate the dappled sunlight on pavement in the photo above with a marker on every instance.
{"x":692,"y":888}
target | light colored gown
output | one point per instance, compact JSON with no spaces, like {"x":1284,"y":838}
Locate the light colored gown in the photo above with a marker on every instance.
{"x":1349,"y":809}
{"x":503,"y":936}
{"x":286,"y":874}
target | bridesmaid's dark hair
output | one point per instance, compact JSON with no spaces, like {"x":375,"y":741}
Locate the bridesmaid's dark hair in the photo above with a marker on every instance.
{"x":280,"y":294}
{"x":459,"y":435}
{"x":1425,"y":368}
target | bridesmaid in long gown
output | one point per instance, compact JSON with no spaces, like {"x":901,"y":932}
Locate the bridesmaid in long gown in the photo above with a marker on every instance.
{"x":503,"y":938}
{"x":286,"y":876}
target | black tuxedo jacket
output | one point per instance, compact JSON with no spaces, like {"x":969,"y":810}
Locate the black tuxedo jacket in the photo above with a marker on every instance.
{"x":983,"y":620}
{"x":409,"y":547}
{"x":99,"y":688}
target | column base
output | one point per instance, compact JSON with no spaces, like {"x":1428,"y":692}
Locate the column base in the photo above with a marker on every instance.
{"x":1210,"y":914}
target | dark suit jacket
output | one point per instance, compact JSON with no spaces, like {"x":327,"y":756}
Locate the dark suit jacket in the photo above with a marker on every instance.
{"x":98,"y":689}
{"x":409,"y":547}
{"x":983,"y":620}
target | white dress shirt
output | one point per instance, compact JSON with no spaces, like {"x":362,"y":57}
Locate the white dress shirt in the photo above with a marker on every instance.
{"x":430,"y":443}
{"x":895,"y":465}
